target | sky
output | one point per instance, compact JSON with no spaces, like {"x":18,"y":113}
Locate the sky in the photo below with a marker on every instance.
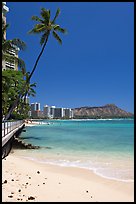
{"x":94,"y":66}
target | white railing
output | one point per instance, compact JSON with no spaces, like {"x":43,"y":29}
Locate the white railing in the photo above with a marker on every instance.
{"x":9,"y":126}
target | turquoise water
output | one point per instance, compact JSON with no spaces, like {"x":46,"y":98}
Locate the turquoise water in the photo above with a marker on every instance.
{"x":103,"y":146}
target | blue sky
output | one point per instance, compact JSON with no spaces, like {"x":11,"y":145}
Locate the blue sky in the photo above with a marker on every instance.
{"x":95,"y":64}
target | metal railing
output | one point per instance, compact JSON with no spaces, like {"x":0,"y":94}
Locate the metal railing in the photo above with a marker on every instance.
{"x":8,"y":126}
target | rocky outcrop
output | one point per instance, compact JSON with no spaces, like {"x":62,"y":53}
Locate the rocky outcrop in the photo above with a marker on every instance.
{"x":107,"y":111}
{"x":20,"y":144}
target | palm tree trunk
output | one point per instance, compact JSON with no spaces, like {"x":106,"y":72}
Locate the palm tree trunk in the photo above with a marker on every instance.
{"x":38,"y":59}
{"x":21,"y":111}
{"x":27,"y":81}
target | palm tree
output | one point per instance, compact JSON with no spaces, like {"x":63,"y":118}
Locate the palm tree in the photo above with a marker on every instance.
{"x":45,"y":27}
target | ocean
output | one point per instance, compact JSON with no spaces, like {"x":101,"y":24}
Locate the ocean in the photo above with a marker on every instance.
{"x":105,"y":147}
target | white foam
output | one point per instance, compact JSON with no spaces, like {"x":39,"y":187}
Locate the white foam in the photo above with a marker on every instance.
{"x":80,"y":164}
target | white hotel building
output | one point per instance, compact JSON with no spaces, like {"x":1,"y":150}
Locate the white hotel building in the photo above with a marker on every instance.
{"x":50,"y":112}
{"x":55,"y":112}
{"x":14,"y":51}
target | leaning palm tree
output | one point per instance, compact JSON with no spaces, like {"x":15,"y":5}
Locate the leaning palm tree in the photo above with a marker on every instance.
{"x":45,"y":27}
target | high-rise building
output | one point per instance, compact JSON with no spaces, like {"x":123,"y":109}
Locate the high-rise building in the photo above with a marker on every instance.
{"x":58,"y":113}
{"x":33,"y":108}
{"x":37,"y":106}
{"x":46,"y":111}
{"x":52,"y":109}
{"x":68,"y":113}
{"x":14,"y":51}
{"x":37,"y":114}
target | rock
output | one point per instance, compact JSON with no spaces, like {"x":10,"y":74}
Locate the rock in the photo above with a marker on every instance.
{"x":31,"y":198}
{"x":5,"y":181}
{"x":10,"y":196}
{"x":20,"y":144}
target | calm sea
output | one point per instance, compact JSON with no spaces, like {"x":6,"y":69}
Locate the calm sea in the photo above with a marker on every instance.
{"x":104,"y":146}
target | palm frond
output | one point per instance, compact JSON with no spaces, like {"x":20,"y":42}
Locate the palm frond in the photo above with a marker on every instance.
{"x":11,"y":44}
{"x":58,"y":28}
{"x":33,"y":85}
{"x":56,"y":15}
{"x":6,"y":45}
{"x":57,"y":37}
{"x":45,"y":15}
{"x":38,"y":29}
{"x":18,"y":43}
{"x":36,"y":18}
{"x":20,"y":63}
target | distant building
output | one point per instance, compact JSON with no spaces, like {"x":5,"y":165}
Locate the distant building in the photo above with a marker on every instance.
{"x":46,"y":111}
{"x":37,"y":106}
{"x":35,"y":110}
{"x":58,"y":113}
{"x":37,"y":114}
{"x":71,"y":113}
{"x":50,"y":111}
{"x":68,"y":113}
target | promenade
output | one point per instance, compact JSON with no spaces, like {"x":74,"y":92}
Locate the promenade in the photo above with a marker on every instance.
{"x":9,"y":130}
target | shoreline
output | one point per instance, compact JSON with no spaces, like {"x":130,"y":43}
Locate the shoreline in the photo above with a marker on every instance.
{"x":57,"y":183}
{"x":60,"y":160}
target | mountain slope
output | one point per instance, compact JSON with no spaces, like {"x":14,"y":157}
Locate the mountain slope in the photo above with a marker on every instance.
{"x":107,"y":111}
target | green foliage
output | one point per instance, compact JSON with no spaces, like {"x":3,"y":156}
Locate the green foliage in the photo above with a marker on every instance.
{"x":12,"y":83}
{"x":46,"y":26}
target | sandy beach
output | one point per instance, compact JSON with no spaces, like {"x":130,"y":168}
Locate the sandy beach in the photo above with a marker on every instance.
{"x":25,"y":180}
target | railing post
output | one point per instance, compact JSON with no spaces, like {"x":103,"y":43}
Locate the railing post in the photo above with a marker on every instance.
{"x":4,"y":128}
{"x":7,"y":127}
